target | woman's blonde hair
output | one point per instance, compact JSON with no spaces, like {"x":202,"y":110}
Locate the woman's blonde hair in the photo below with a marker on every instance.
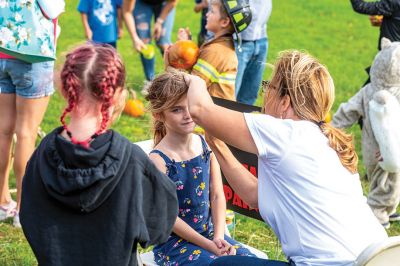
{"x":311,"y":90}
{"x":163,"y":93}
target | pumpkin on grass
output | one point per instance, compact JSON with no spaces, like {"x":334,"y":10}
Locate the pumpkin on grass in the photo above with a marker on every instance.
{"x":183,"y":54}
{"x":133,"y":106}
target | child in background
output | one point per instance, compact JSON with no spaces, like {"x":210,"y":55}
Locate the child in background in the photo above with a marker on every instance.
{"x":89,"y":194}
{"x":376,"y":113}
{"x":102,"y":20}
{"x":198,"y":234}
{"x":217,"y":63}
{"x":204,"y":35}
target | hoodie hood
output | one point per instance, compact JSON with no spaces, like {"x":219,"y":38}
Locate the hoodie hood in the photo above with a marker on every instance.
{"x":79,"y":178}
{"x":385,"y":70}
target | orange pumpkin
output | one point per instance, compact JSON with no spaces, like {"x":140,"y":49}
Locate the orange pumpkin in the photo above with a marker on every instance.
{"x":183,"y":54}
{"x":133,"y":106}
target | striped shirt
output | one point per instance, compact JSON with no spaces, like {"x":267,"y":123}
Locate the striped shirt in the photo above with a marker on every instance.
{"x":217,"y":65}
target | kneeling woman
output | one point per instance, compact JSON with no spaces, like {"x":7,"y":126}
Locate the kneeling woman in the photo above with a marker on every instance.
{"x":308,"y":189}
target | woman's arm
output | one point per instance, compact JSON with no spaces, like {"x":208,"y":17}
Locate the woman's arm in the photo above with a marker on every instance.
{"x":241,"y":180}
{"x":127,"y":9}
{"x":226,"y":125}
{"x":161,"y":18}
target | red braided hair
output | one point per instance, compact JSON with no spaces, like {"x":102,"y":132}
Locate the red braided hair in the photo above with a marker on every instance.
{"x":98,"y":69}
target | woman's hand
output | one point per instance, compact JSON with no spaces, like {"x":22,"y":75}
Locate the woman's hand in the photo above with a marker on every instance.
{"x":138,"y":44}
{"x":198,"y":95}
{"x":197,"y":83}
{"x":158,"y":29}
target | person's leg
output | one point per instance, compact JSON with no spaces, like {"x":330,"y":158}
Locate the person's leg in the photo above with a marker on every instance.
{"x":244,"y":56}
{"x":165,"y":39}
{"x":30,"y":113}
{"x":182,"y":253}
{"x":253,"y":74}
{"x":7,"y":125}
{"x":34,"y":85}
{"x":384,"y":194}
{"x":243,"y":260}
{"x":142,"y":15}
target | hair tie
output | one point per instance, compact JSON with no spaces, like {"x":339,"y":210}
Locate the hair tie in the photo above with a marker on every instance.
{"x":320,"y":123}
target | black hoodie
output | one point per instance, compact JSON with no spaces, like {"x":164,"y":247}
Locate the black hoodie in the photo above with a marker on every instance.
{"x":389,"y":9}
{"x":93,"y":206}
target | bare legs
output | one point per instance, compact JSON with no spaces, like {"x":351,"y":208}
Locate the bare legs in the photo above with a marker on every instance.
{"x":7,"y":125}
{"x":23,"y":119}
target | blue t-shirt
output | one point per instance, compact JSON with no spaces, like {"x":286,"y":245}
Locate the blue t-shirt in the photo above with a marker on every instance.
{"x":102,"y":18}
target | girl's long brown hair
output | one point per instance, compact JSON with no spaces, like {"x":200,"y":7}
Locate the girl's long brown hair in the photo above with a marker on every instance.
{"x":165,"y":90}
{"x":311,"y":90}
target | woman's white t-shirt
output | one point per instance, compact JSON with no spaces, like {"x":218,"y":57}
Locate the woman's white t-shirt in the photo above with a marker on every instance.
{"x":314,"y":205}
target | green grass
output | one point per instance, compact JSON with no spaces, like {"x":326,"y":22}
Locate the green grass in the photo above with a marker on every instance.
{"x":329,"y":29}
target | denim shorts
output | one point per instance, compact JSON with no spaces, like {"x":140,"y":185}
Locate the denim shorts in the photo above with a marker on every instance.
{"x":27,"y":80}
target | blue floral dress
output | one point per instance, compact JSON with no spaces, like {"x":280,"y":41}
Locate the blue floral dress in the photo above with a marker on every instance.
{"x":192,"y":179}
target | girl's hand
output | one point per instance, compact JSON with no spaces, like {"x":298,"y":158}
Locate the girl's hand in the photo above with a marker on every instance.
{"x":213,"y":248}
{"x":224,"y":246}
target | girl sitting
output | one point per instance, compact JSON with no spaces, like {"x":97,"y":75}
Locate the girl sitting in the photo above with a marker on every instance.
{"x":198,"y":234}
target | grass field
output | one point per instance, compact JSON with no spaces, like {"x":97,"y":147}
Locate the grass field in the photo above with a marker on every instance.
{"x":329,"y":29}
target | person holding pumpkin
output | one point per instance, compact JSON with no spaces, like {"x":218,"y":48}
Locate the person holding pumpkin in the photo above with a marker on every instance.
{"x":217,"y":62}
{"x":137,"y":15}
{"x":198,"y":234}
{"x":89,"y":194}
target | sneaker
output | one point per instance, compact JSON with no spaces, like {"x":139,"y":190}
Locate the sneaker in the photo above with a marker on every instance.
{"x":16,"y":222}
{"x":7,"y":210}
{"x":394,"y":217}
{"x":386,"y":225}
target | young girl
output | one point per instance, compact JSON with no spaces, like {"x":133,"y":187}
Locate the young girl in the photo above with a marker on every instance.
{"x":198,"y":234}
{"x":89,"y":195}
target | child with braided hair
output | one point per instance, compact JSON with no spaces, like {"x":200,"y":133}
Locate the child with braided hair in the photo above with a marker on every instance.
{"x":89,"y":195}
